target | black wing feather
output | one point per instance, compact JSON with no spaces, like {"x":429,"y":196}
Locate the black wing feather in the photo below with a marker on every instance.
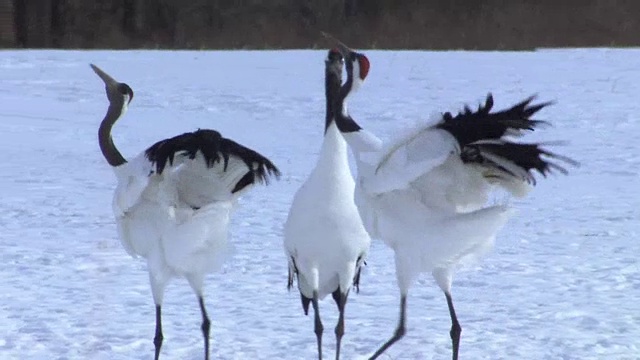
{"x":482,"y":131}
{"x":530,"y":157}
{"x":214,"y":148}
{"x":471,"y":126}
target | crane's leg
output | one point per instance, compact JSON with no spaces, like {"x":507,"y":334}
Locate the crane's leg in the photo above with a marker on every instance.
{"x":157,"y":340}
{"x":455,"y":327}
{"x":341,"y":301}
{"x":318,"y":328}
{"x":206,"y":325}
{"x":196,"y":281}
{"x":400,"y":330}
{"x":158,"y":282}
{"x":305,"y":304}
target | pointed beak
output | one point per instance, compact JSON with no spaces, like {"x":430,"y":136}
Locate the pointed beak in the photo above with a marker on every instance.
{"x":346,"y":52}
{"x":344,"y":49}
{"x":108,"y":80}
{"x":340,"y":46}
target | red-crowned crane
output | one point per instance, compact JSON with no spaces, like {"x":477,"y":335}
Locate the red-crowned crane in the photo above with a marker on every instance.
{"x":325,"y":241}
{"x":425,"y":192}
{"x":173,"y":201}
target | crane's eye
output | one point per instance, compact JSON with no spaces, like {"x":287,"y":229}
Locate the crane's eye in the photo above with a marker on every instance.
{"x":124,"y":89}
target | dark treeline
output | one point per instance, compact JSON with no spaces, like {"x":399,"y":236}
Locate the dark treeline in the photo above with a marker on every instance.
{"x":413,"y":24}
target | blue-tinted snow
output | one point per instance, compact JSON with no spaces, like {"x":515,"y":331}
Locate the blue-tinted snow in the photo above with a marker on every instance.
{"x":562,"y":283}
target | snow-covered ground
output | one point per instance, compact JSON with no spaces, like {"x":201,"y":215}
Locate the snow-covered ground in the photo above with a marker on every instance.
{"x":562,"y":283}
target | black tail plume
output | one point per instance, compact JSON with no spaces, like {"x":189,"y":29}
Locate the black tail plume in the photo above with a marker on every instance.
{"x":516,"y":159}
{"x":470,"y":126}
{"x":215,"y":149}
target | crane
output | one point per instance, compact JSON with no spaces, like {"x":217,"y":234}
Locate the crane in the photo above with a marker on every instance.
{"x":425,"y":193}
{"x":174,"y":200}
{"x":324,"y":238}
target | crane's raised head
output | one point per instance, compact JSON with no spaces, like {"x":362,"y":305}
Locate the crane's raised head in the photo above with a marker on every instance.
{"x":334,"y":62}
{"x":361,"y":65}
{"x":116,"y":91}
{"x":125,"y":90}
{"x":356,"y":62}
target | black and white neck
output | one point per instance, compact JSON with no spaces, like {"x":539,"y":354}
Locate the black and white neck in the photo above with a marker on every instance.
{"x":333,"y":80}
{"x":119,"y":95}
{"x":333,"y":156}
{"x":357,"y":66}
{"x":359,"y":140}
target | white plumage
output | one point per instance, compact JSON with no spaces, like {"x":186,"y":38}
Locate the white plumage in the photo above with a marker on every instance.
{"x":323,"y":231}
{"x":324,"y":238}
{"x":160,"y":205}
{"x":173,"y":202}
{"x":425,"y":192}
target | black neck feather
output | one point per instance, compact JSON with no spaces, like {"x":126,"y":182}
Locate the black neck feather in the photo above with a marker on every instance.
{"x":344,"y":121}
{"x":332,"y":93}
{"x":107,"y":147}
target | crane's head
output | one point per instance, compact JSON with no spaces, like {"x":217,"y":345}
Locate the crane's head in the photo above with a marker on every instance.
{"x":334,"y":62}
{"x":357,"y":64}
{"x":118,"y":93}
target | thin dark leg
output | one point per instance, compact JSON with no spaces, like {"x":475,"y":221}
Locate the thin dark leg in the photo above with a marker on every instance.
{"x":342,"y":302}
{"x":305,"y":304}
{"x":400,"y":330}
{"x":455,"y":327}
{"x":318,"y":328}
{"x":157,"y":340}
{"x":206,"y":325}
{"x":336,"y":297}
